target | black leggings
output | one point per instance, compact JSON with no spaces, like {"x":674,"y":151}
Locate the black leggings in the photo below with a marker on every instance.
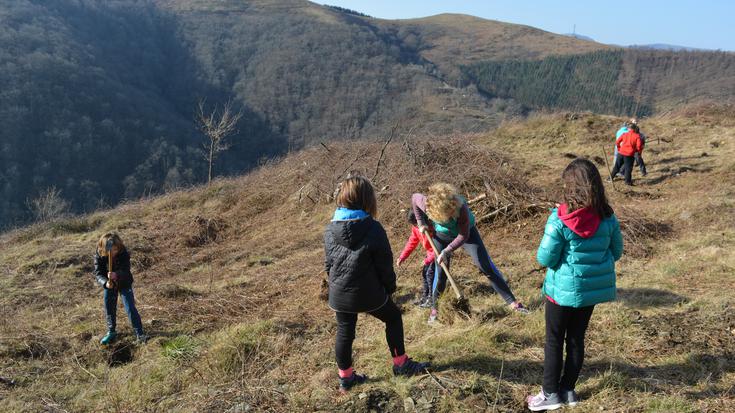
{"x":346,"y":322}
{"x":625,"y":164}
{"x":564,"y":324}
{"x":482,"y":260}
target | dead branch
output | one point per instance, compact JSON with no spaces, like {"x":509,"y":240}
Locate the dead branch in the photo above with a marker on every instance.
{"x":496,"y":212}
{"x":382,"y":151}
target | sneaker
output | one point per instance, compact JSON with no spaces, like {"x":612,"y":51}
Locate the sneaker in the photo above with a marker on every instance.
{"x":569,"y":397}
{"x":410,"y":368}
{"x":419,"y":301}
{"x":543,"y":401}
{"x":346,"y":383}
{"x":517,"y":306}
{"x":142,"y":338}
{"x":433,"y":315}
{"x":108,"y":338}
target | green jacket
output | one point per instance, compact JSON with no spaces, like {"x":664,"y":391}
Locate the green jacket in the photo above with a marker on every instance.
{"x":581,"y":271}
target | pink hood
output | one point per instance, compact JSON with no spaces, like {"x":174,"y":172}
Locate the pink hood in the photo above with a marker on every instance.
{"x":584,"y":222}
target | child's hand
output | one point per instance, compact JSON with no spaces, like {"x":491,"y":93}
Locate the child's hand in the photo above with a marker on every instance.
{"x":112,"y":276}
{"x":423,"y":229}
{"x":399,"y":261}
{"x":109,"y":284}
{"x":442,"y":258}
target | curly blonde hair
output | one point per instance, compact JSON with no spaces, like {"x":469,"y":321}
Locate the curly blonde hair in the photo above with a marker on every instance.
{"x":443,"y":202}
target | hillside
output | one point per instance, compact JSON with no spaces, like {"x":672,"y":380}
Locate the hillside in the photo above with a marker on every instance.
{"x":451,"y":40}
{"x":228,"y":279}
{"x":635,"y":82}
{"x":98,"y":98}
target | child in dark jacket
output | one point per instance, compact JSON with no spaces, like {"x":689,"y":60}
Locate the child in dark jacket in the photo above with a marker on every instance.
{"x":116,"y":280}
{"x":359,"y":262}
{"x":427,"y":272}
{"x":581,"y":242}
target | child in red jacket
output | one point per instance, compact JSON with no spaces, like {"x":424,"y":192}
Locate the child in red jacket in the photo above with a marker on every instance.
{"x":629,"y":145}
{"x":427,"y":272}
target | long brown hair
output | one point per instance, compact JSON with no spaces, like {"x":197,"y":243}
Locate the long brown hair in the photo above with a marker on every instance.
{"x":116,"y":243}
{"x":583,"y":188}
{"x":357,"y":192}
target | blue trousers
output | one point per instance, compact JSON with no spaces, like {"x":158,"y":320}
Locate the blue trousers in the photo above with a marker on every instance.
{"x":128,"y":300}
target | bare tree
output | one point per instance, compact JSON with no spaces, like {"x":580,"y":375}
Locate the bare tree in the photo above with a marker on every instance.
{"x":216,"y":126}
{"x":48,"y":205}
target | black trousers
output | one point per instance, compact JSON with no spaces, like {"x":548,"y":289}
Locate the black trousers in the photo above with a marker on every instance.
{"x":624,"y":163}
{"x":346,"y":323}
{"x":639,"y":162}
{"x":564,"y":324}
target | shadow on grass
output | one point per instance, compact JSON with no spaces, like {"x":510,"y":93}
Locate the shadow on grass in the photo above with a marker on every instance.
{"x":616,"y":375}
{"x":641,"y":298}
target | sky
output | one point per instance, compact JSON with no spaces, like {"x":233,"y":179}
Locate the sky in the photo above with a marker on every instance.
{"x":707,"y":24}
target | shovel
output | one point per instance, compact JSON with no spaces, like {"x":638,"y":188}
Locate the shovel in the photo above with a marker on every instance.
{"x":108,"y":248}
{"x":444,"y":267}
{"x":461,"y":303}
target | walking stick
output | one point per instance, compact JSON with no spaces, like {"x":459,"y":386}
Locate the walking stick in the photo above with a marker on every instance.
{"x":609,"y":172}
{"x":444,"y":267}
{"x":108,"y":248}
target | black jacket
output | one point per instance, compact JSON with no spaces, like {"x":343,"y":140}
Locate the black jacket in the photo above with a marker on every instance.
{"x":120,"y":266}
{"x":359,"y":262}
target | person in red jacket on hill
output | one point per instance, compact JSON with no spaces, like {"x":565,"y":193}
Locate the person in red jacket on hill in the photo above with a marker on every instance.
{"x":427,"y":273}
{"x":629,"y":144}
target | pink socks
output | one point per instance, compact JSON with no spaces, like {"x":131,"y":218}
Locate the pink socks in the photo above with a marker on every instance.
{"x":398,"y":361}
{"x":346,"y":373}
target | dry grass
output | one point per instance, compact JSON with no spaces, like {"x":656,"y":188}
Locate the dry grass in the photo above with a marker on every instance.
{"x":228,"y":278}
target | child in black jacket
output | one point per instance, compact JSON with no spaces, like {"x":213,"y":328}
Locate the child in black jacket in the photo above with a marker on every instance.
{"x":116,"y":280}
{"x":359,"y":261}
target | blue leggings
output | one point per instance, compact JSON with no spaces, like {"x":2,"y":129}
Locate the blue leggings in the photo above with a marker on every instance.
{"x":482,"y":261}
{"x":128,"y":300}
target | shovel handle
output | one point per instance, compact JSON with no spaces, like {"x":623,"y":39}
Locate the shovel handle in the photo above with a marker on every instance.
{"x":444,"y":267}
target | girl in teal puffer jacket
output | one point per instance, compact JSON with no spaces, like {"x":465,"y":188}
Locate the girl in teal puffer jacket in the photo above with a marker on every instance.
{"x":581,"y":242}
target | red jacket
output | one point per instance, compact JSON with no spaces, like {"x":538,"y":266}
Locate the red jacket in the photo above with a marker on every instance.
{"x":411,"y":244}
{"x":629,"y":143}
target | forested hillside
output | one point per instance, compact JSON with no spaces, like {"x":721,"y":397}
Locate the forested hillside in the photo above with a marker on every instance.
{"x":623,"y":82}
{"x":97,"y":99}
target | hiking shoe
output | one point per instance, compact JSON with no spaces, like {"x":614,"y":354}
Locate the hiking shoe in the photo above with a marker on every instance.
{"x":410,"y":368}
{"x":568,"y":397}
{"x":517,"y":306}
{"x":346,"y":383}
{"x":419,"y":301}
{"x":426,"y":303}
{"x":543,"y":401}
{"x":108,"y":338}
{"x":142,"y":338}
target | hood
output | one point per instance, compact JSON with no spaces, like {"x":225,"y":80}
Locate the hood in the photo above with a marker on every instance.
{"x":349,"y":227}
{"x":584,"y":222}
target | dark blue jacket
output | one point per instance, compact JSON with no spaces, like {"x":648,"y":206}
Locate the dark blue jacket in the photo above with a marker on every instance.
{"x":120,"y":266}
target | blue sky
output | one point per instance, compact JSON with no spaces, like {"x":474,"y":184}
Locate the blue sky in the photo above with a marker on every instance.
{"x":708,"y":24}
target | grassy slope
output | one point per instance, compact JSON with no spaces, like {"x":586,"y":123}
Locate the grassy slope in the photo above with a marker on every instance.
{"x":236,"y":321}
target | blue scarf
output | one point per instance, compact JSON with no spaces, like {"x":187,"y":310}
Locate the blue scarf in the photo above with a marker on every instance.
{"x":345,"y":214}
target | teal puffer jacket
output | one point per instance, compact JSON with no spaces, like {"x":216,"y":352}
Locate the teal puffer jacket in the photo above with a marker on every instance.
{"x":581,"y":271}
